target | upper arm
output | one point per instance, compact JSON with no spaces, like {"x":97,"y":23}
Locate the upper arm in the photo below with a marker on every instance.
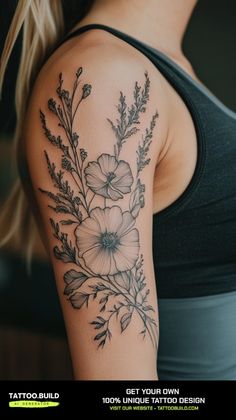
{"x":92,"y":145}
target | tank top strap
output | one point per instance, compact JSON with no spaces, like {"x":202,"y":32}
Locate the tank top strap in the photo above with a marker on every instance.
{"x":164,"y":62}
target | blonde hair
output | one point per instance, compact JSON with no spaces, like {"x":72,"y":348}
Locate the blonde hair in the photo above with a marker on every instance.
{"x":43,"y":26}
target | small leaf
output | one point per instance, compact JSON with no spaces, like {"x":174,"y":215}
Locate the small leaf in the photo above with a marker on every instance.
{"x":72,"y":275}
{"x":125,"y":320}
{"x":102,"y":343}
{"x":131,"y":132}
{"x":53,"y":224}
{"x":152,"y":321}
{"x":100,"y":335}
{"x":74,"y":280}
{"x":104,"y":299}
{"x":60,"y":255}
{"x":142,"y":286}
{"x":97,"y":325}
{"x":79,"y":299}
{"x":101,"y":319}
{"x":123,"y":279}
{"x":100,"y":287}
{"x":61,"y":209}
{"x":148,"y":308}
{"x":99,"y":322}
{"x":67,"y":222}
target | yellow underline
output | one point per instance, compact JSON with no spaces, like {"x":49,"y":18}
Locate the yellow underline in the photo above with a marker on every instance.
{"x":33,"y":404}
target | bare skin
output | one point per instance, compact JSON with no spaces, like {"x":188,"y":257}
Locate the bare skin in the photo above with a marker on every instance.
{"x":160,"y":24}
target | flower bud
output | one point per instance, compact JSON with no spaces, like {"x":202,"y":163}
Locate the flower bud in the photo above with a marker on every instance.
{"x":86,"y":91}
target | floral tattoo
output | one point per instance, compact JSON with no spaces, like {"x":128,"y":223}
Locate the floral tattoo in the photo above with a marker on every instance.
{"x":104,"y":247}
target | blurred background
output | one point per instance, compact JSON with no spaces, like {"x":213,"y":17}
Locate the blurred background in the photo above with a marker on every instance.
{"x":33,"y":342}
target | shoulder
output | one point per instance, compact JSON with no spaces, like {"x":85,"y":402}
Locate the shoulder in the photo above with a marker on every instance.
{"x":111,"y":72}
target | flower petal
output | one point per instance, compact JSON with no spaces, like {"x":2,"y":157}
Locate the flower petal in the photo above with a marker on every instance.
{"x":113,"y":268}
{"x":102,"y":191}
{"x":95,"y":179}
{"x":108,"y":163}
{"x":113,"y":217}
{"x":113,"y":194}
{"x":123,"y":263}
{"x":100,"y":260}
{"x":123,"y":279}
{"x":98,"y":257}
{"x":127,"y":223}
{"x":88,"y":235}
{"x":108,"y":219}
{"x":124,"y":178}
{"x":127,"y":253}
{"x":98,"y":214}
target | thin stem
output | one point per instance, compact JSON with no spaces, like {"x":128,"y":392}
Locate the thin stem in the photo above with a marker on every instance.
{"x":78,"y":171}
{"x":92,"y":277}
{"x":73,"y":93}
{"x":153,"y":332}
{"x":75,"y":179}
{"x":145,"y":325}
{"x":125,"y":295}
{"x":65,"y":112}
{"x":79,"y":192}
{"x":89,"y":204}
{"x":62,"y":123}
{"x":77,"y":106}
{"x":115,"y":313}
{"x":79,"y":168}
{"x":78,"y":175}
{"x":86,"y":271}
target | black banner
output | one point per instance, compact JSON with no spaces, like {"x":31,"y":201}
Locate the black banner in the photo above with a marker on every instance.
{"x":116,"y":399}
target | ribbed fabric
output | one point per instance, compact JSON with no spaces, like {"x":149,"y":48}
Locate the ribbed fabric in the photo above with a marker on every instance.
{"x":198,"y":338}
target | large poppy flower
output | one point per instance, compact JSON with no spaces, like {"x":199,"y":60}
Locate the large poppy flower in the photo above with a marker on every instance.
{"x":109,"y":177}
{"x":107,"y":241}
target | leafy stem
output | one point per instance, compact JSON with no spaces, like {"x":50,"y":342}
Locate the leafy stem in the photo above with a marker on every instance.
{"x":126,"y":125}
{"x":102,"y":241}
{"x":147,"y":320}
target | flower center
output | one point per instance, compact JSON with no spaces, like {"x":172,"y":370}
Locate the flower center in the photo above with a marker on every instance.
{"x":110,"y":176}
{"x":109,"y":240}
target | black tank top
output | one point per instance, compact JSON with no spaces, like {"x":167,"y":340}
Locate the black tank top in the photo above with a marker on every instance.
{"x":194,"y":239}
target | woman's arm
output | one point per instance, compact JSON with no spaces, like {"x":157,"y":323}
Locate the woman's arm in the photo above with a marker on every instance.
{"x":92,"y":145}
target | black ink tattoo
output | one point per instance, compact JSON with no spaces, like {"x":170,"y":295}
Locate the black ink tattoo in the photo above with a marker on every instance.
{"x":105,"y":246}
